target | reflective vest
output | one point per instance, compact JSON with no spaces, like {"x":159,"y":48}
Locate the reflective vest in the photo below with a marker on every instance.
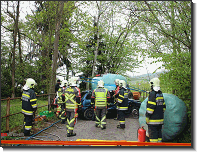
{"x":123,"y":99}
{"x":59,"y":94}
{"x":100,"y":97}
{"x":155,"y":108}
{"x":28,"y":102}
{"x":71,"y":95}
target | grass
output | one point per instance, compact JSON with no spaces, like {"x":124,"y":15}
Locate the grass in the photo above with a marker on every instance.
{"x":15,"y":107}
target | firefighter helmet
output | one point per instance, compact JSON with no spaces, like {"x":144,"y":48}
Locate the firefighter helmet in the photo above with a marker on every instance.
{"x":101,"y":84}
{"x":74,"y":81}
{"x":30,"y":82}
{"x":155,"y":84}
{"x":117,"y":81}
{"x":122,"y":83}
{"x":64,"y":83}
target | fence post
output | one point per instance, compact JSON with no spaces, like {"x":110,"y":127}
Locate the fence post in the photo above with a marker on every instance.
{"x":7,"y":114}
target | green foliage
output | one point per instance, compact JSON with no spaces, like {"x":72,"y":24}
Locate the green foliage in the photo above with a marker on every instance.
{"x":15,"y":107}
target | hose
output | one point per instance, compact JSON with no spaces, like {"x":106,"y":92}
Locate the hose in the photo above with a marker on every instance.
{"x":40,"y":131}
{"x":52,"y":134}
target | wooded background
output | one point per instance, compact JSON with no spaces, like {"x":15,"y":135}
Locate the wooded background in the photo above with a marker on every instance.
{"x":58,"y":33}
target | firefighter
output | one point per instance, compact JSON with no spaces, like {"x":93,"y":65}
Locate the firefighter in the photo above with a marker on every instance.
{"x":116,"y":95}
{"x":57,"y":86}
{"x":29,"y":105}
{"x":72,"y":99}
{"x":63,"y":112}
{"x":155,"y":111}
{"x":123,"y":104}
{"x":100,"y":97}
{"x":60,"y":99}
{"x":130,"y":94}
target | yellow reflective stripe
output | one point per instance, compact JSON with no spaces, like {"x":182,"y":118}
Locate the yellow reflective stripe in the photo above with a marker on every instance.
{"x":103,"y":118}
{"x":153,"y":140}
{"x":27,"y":111}
{"x":121,"y":96}
{"x":159,"y":98}
{"x":164,"y":109}
{"x":28,"y":126}
{"x":164,"y":103}
{"x":120,"y":100}
{"x":159,"y":120}
{"x":150,"y":102}
{"x":25,"y":95}
{"x":71,"y":128}
{"x":123,"y":107}
{"x":34,"y":105}
{"x":148,"y":109}
{"x":159,"y":139}
{"x":72,"y":120}
{"x":122,"y":121}
{"x":33,"y":100}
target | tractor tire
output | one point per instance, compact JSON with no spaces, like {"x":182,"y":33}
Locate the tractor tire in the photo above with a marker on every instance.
{"x":88,"y":113}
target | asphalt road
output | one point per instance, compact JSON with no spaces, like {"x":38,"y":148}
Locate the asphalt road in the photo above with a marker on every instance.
{"x":85,"y":129}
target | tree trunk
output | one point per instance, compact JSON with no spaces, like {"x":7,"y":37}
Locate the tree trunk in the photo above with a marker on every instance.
{"x":14,"y":47}
{"x":55,"y":54}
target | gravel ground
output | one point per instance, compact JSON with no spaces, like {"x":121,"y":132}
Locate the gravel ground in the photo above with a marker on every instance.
{"x":85,"y":129}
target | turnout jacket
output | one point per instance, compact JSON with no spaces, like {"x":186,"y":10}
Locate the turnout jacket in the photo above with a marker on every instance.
{"x":100,"y":96}
{"x":155,"y":108}
{"x":123,"y":99}
{"x":72,"y":98}
{"x":29,"y":100}
{"x":60,"y":96}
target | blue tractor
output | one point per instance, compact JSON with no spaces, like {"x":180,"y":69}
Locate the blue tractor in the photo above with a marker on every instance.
{"x":86,"y":111}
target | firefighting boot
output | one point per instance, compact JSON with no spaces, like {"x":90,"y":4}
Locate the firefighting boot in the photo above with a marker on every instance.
{"x":104,"y":127}
{"x":71,"y":134}
{"x":120,"y":127}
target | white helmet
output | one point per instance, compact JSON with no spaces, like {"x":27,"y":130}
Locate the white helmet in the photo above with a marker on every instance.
{"x":64,"y":83}
{"x":122,"y":83}
{"x":155,"y":83}
{"x":101,"y":84}
{"x":73,"y":81}
{"x":30,"y":82}
{"x":117,"y":81}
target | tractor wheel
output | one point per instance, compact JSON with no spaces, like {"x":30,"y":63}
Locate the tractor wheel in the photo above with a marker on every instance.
{"x":88,"y":113}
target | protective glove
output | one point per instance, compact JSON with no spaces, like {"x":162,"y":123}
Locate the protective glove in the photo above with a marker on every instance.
{"x":147,"y":120}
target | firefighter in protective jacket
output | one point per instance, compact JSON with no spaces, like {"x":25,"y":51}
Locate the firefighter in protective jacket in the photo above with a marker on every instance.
{"x":116,"y":92}
{"x":123,"y":104}
{"x":99,"y":97}
{"x":29,"y":105}
{"x":72,"y":99}
{"x":62,"y":101}
{"x":155,"y":111}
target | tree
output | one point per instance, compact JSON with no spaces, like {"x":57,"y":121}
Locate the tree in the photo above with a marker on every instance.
{"x":59,"y":13}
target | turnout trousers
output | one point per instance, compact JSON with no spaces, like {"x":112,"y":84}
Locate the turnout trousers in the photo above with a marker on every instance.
{"x":28,"y":120}
{"x":71,"y":120}
{"x":63,"y":113}
{"x":100,"y":115}
{"x":155,"y":134}
{"x":121,"y":118}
